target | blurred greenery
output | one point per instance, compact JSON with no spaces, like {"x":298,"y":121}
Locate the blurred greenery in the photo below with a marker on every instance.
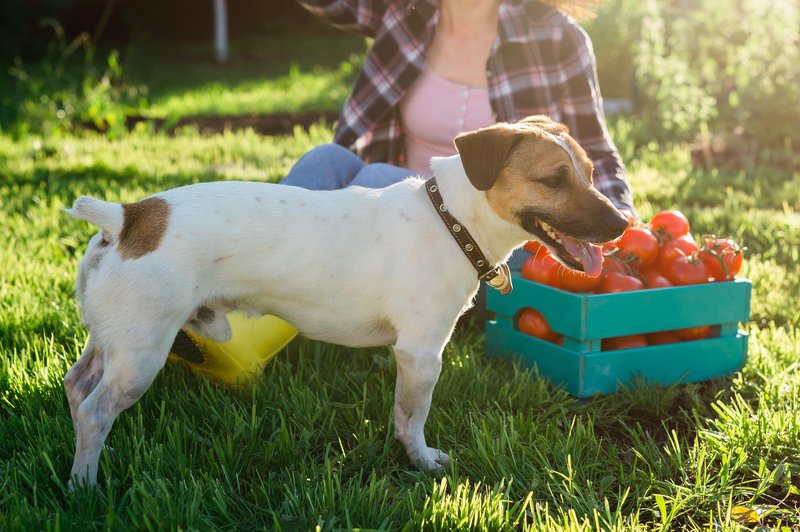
{"x":76,"y":84}
{"x":725,"y":74}
{"x":696,"y":71}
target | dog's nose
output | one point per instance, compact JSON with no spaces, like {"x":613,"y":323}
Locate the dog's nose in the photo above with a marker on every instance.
{"x":615,"y":224}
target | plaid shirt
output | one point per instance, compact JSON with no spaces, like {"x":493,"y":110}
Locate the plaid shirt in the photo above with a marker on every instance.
{"x":541,"y":62}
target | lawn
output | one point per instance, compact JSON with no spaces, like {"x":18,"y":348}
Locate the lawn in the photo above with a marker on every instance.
{"x":311,"y":442}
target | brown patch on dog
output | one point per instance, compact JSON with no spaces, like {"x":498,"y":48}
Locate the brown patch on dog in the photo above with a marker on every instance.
{"x":145,"y":223}
{"x":545,"y":123}
{"x":485,"y":152}
{"x":538,"y":174}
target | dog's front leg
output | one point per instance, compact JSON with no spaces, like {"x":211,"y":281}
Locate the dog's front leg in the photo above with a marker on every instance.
{"x":417,"y":373}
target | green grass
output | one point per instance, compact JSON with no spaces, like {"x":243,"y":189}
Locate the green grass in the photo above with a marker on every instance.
{"x":311,"y":442}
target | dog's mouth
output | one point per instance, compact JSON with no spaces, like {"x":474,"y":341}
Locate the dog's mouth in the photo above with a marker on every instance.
{"x":573,"y":253}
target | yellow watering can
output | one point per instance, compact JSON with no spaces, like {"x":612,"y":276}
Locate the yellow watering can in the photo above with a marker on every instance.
{"x":254,"y":343}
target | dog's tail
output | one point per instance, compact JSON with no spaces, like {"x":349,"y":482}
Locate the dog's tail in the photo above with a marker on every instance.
{"x":103,"y":214}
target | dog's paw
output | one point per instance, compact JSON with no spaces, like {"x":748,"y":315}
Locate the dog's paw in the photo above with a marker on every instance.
{"x":430,"y":459}
{"x":76,"y":484}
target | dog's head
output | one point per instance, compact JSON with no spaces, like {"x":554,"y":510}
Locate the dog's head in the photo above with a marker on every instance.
{"x":536,"y":176}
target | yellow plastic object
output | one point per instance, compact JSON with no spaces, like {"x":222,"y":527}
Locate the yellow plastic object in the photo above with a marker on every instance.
{"x":254,"y":343}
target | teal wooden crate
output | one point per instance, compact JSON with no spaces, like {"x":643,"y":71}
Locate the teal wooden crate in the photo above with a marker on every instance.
{"x":585,"y":320}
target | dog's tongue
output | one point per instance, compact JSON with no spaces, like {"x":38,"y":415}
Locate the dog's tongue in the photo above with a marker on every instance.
{"x":591,"y":255}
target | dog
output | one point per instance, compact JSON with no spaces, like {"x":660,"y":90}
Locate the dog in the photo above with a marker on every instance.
{"x":184,"y":257}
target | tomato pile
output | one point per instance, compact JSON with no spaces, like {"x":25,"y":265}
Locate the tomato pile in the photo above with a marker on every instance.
{"x":658,"y":254}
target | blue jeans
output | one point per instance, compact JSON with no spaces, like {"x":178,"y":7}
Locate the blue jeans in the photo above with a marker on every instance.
{"x":331,"y":166}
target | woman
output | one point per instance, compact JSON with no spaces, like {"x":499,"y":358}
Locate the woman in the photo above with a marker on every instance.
{"x":437,"y":68}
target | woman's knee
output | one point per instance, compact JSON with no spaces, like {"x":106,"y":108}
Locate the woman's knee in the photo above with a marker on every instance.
{"x":379,"y":175}
{"x":324,"y":167}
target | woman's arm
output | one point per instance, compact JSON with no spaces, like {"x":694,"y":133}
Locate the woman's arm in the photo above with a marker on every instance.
{"x":357,"y":16}
{"x":582,"y":112}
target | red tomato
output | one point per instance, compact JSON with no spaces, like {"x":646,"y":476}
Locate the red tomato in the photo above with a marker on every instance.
{"x":722,"y":256}
{"x":640,"y":243}
{"x":662,"y":337}
{"x":610,"y":247}
{"x":533,"y":247}
{"x":532,"y":322}
{"x":669,"y":224}
{"x":576,"y":281}
{"x":623,"y":342}
{"x":686,"y":270}
{"x":542,"y":268}
{"x":618,"y":282}
{"x":681,"y":247}
{"x":652,"y":278}
{"x":694,"y":333}
{"x":613,"y":263}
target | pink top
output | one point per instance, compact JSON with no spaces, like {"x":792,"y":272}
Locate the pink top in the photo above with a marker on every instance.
{"x":434,"y":111}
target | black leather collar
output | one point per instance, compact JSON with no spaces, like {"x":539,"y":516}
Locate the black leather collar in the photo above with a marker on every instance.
{"x":497,"y":277}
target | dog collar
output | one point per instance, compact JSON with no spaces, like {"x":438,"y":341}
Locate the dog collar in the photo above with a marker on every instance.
{"x":498,"y":277}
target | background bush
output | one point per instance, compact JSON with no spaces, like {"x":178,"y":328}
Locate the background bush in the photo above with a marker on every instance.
{"x":70,"y":88}
{"x":728,"y":68}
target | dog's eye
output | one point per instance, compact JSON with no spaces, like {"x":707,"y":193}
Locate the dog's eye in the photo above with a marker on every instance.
{"x":557,"y":180}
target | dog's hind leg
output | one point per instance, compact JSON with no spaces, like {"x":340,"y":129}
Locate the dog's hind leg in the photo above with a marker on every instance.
{"x":418,"y":370}
{"x":82,"y":377}
{"x":129,"y":369}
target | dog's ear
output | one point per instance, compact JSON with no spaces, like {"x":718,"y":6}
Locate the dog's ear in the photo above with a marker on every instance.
{"x":484,"y":152}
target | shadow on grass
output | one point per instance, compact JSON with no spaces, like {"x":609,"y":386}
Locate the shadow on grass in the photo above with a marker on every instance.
{"x":170,"y":68}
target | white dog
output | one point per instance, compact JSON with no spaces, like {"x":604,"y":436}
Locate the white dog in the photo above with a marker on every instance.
{"x":357,"y":267}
